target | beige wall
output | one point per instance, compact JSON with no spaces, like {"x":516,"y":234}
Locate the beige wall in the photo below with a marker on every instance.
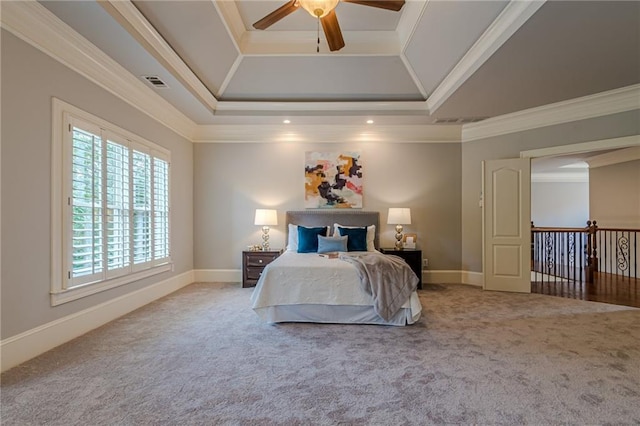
{"x":29,"y":80}
{"x":232,"y":180}
{"x":614,"y":193}
{"x":560,"y":204}
{"x":510,"y":146}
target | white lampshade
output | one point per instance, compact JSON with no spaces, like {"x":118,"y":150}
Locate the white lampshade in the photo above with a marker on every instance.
{"x":399,"y":216}
{"x":266,"y":217}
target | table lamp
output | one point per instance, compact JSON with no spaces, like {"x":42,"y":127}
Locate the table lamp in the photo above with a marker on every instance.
{"x":265,"y":218}
{"x":399,"y":217}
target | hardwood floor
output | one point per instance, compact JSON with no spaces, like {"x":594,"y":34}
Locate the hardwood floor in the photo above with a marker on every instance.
{"x":606,"y":288}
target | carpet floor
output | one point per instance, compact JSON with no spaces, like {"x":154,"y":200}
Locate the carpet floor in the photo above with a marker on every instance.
{"x":201,"y":356}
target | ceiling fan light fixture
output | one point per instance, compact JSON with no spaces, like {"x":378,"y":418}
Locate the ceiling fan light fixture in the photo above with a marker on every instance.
{"x":318,"y":8}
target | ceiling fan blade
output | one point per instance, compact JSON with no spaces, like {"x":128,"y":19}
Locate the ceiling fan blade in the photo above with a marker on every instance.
{"x":276,"y":15}
{"x":382,"y":4}
{"x":332,"y":31}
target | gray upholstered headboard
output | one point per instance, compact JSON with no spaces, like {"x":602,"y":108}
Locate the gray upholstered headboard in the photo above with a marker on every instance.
{"x":329,"y":217}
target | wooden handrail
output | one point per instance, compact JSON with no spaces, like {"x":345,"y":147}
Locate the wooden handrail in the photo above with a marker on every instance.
{"x":551,"y":229}
{"x":590,"y":237}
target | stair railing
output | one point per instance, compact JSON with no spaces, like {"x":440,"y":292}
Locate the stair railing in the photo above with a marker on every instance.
{"x":577,"y":254}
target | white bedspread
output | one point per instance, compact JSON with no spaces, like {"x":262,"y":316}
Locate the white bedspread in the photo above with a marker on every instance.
{"x":309,"y":279}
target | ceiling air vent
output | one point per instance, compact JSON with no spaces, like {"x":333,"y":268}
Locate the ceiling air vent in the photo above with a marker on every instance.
{"x":155,"y":81}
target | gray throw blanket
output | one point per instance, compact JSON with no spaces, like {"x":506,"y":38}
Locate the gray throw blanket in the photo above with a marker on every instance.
{"x":387,"y":278}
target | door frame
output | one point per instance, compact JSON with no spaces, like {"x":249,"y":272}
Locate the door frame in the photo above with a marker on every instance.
{"x":576,"y":148}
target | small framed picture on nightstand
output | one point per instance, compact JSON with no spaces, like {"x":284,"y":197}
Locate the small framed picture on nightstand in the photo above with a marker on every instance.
{"x":409,"y":241}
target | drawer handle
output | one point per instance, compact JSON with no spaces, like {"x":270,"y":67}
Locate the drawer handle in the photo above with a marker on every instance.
{"x":259,"y":260}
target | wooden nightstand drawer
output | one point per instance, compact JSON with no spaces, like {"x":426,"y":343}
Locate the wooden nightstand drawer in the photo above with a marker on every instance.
{"x":261,"y":259}
{"x":253,"y":263}
{"x":253,"y":273}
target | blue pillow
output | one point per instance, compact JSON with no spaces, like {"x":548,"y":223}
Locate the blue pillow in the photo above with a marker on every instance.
{"x":308,"y":238}
{"x":357,"y":238}
{"x":329,"y":244}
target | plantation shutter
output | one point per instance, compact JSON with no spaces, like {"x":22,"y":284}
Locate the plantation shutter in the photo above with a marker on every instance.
{"x":142,"y":204}
{"x":85,"y":202}
{"x":117,"y":200}
{"x":117,"y":206}
{"x":161,"y":210}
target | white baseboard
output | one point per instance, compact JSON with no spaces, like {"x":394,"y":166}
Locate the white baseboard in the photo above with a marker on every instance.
{"x":473,"y":278}
{"x":24,"y":346}
{"x":442,"y":276}
{"x":453,"y":277}
{"x":217,"y":275}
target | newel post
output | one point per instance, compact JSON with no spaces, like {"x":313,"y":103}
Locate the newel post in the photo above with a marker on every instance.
{"x":532,"y":245}
{"x":592,"y":250}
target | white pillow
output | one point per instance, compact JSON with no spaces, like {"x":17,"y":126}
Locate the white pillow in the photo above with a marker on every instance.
{"x":292,"y":241}
{"x":371,"y":234}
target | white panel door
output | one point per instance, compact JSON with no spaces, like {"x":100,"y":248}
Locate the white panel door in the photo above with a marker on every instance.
{"x":507,"y":225}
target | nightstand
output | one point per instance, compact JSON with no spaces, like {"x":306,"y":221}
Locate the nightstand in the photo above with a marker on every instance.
{"x":253,"y":262}
{"x":412,"y":257}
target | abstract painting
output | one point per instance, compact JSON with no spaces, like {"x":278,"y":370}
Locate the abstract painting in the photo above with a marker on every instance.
{"x":333,"y":180}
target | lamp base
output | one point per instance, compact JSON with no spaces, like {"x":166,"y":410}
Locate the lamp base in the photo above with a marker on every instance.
{"x":265,"y":238}
{"x":399,"y":244}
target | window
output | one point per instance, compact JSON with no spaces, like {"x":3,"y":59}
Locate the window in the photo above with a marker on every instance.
{"x":113,"y":193}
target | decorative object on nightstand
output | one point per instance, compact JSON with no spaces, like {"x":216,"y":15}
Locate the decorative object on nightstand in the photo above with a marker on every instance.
{"x":253,"y":263}
{"x":399,"y":217}
{"x":412,"y":257}
{"x":409,"y":240}
{"x":265,"y":218}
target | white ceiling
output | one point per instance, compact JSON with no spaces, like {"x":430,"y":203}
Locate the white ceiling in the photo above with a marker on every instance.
{"x":432,"y":60}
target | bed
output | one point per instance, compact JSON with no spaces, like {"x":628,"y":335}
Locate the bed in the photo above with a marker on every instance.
{"x":308,"y":287}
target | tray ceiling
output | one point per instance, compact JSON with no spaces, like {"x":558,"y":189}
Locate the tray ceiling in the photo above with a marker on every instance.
{"x":433,"y":60}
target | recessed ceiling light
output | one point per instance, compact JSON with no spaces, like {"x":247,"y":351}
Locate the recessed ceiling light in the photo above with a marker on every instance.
{"x":286,"y":121}
{"x":369,"y":121}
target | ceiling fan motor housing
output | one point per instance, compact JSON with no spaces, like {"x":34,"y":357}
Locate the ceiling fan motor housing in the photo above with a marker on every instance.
{"x":318,"y":8}
{"x":323,"y":10}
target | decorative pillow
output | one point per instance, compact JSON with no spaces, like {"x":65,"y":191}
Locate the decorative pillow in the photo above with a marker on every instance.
{"x":292,"y":240}
{"x":357,"y":238}
{"x":329,"y":244}
{"x":308,"y":238}
{"x":371,"y":234}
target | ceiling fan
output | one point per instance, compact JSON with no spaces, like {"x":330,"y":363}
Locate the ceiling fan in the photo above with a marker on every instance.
{"x":324,"y":11}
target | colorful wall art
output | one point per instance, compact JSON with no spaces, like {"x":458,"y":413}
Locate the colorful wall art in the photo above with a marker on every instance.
{"x":333,"y":180}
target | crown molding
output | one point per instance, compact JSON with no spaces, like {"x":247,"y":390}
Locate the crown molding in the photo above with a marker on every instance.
{"x":601,"y":104}
{"x":327,"y":133}
{"x":397,"y":106}
{"x":130,"y":18}
{"x":34,"y":24}
{"x":614,"y":157}
{"x":230,"y":17}
{"x":409,"y":20}
{"x":512,"y":17}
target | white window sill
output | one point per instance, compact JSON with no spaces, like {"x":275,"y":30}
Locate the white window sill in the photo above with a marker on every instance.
{"x":64,"y":296}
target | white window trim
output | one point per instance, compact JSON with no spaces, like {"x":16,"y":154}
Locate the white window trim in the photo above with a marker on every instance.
{"x":59,"y":294}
